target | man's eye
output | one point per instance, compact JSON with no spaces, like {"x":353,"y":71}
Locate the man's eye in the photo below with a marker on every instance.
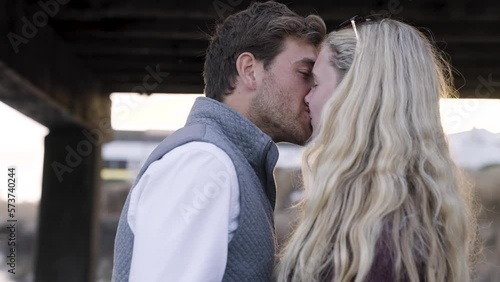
{"x":305,"y":74}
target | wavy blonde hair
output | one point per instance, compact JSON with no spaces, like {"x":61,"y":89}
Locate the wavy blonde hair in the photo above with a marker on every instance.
{"x":381,"y":162}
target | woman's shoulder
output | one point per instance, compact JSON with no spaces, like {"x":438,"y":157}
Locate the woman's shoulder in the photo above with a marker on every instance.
{"x":383,"y":261}
{"x":383,"y":265}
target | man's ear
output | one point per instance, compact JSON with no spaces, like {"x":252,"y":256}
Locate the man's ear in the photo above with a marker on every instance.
{"x":245,"y":66}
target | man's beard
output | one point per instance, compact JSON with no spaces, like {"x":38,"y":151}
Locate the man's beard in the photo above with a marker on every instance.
{"x":270,"y":109}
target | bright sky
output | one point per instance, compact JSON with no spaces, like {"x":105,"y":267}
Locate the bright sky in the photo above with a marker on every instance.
{"x":154,"y":112}
{"x":22,"y":146}
{"x":22,"y":142}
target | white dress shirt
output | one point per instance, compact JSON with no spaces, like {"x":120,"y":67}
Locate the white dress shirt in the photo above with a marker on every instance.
{"x":183,"y":213}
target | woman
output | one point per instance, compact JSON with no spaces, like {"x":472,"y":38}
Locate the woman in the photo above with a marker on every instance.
{"x":383,"y":199}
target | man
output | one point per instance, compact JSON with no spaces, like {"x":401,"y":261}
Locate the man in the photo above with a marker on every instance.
{"x":202,"y":206}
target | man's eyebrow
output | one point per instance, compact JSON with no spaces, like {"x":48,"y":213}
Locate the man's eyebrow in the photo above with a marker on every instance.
{"x":307,"y":61}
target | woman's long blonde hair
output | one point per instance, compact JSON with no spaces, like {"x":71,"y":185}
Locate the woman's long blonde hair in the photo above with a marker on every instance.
{"x":381,"y":162}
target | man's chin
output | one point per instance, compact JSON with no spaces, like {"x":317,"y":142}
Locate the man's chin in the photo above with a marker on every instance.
{"x":298,"y":136}
{"x":311,"y":137}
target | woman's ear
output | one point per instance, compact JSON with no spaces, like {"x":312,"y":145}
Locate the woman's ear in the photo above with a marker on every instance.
{"x":245,"y":66}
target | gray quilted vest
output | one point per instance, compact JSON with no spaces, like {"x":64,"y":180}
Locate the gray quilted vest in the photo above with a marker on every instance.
{"x":254,"y":154}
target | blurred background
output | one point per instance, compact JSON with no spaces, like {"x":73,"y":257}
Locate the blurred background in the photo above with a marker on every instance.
{"x":77,"y":130}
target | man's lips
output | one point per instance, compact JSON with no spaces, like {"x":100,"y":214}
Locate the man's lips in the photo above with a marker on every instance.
{"x":308,"y":114}
{"x":309,"y":123}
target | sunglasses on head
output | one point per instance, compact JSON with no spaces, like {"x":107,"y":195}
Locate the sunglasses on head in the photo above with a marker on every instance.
{"x":359,"y":20}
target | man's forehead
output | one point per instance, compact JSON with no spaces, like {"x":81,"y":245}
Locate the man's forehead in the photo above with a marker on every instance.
{"x":299,"y":52}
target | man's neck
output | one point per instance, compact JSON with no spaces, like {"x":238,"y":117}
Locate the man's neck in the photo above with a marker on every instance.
{"x":242,"y":104}
{"x":239,"y":102}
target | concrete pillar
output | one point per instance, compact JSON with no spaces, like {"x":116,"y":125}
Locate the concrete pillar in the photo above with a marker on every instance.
{"x":69,"y":207}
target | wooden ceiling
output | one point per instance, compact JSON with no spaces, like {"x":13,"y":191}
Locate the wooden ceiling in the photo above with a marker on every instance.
{"x":118,"y":40}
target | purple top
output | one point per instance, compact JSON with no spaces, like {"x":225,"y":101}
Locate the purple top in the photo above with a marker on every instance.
{"x":382,"y":269}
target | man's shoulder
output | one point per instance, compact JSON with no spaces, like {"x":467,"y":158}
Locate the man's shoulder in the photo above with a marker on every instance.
{"x":188,"y":132}
{"x":200,"y":148}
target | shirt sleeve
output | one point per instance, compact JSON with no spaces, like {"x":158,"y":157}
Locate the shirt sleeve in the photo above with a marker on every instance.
{"x":183,"y":213}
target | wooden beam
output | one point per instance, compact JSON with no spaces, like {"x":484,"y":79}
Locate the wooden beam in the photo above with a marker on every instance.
{"x":137,"y":34}
{"x":441,"y":35}
{"x":171,"y":66}
{"x":148,"y":75}
{"x":424,"y":11}
{"x":89,"y":15}
{"x":40,"y":77}
{"x":69,"y":207}
{"x":485,"y":88}
{"x":173,"y":87}
{"x":22,"y":95}
{"x":41,"y":68}
{"x":63,"y":26}
{"x":93,"y":49}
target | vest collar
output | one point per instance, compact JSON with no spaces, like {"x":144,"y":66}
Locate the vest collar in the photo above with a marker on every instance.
{"x":256,"y":146}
